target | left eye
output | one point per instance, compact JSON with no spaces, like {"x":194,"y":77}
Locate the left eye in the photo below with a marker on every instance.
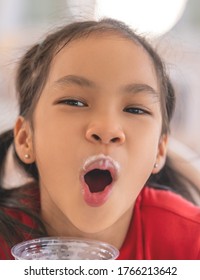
{"x":73,"y":102}
{"x":135,"y":110}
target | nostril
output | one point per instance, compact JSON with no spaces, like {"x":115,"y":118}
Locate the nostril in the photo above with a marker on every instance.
{"x":115,"y":139}
{"x":96,"y":137}
{"x":105,"y":138}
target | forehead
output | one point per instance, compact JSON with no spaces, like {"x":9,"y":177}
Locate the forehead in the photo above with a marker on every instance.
{"x":104,"y":56}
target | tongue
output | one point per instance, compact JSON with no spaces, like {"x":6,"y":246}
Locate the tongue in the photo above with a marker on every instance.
{"x":97,"y":180}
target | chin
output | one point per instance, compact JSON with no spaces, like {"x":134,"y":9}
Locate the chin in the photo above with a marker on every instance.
{"x":92,"y":233}
{"x":103,"y":221}
{"x":92,"y":227}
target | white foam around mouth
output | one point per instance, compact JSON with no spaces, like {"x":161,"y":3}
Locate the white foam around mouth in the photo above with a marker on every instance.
{"x":103,"y":162}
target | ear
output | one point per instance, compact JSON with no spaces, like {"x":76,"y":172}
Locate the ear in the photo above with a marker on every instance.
{"x":162,"y":154}
{"x":23,"y":140}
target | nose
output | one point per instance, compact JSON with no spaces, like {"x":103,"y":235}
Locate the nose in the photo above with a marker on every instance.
{"x":105,"y":133}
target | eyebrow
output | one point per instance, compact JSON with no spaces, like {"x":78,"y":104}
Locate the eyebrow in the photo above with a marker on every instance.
{"x":139,"y":87}
{"x":84,"y":82}
{"x":75,"y":80}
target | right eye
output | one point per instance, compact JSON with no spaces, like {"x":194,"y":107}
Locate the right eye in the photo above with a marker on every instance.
{"x":73,"y":102}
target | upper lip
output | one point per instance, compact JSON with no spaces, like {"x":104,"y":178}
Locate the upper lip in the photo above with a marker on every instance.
{"x":102,"y":162}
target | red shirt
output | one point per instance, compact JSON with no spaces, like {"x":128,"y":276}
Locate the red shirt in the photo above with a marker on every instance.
{"x":163,"y":226}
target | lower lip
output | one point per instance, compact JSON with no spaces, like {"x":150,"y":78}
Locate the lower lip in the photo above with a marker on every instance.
{"x":95,"y":199}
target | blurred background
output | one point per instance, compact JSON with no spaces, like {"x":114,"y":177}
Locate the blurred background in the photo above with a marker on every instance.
{"x":173,"y":26}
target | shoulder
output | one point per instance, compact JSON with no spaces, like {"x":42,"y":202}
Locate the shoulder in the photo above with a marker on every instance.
{"x":17,"y":221}
{"x":15,"y":226}
{"x":170,"y":224}
{"x":166,"y":201}
{"x":5,"y":250}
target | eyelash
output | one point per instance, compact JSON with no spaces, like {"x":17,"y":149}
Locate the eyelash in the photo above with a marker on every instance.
{"x":73,"y":102}
{"x":136,"y":111}
{"x":78,"y":103}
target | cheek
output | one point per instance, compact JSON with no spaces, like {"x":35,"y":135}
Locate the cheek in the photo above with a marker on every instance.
{"x":58,"y":149}
{"x":54,"y":150}
{"x":55,"y":135}
{"x":53,"y":146}
{"x":142,"y":154}
{"x":143,"y":142}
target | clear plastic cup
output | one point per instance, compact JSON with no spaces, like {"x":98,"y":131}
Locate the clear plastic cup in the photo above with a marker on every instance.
{"x":64,"y":248}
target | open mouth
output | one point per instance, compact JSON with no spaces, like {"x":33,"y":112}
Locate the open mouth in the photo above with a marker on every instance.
{"x":97,"y":180}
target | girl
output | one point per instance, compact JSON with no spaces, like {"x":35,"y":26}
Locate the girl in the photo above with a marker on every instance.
{"x":95,"y":106}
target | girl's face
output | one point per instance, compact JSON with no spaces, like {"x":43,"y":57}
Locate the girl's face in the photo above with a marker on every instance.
{"x":97,"y":132}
